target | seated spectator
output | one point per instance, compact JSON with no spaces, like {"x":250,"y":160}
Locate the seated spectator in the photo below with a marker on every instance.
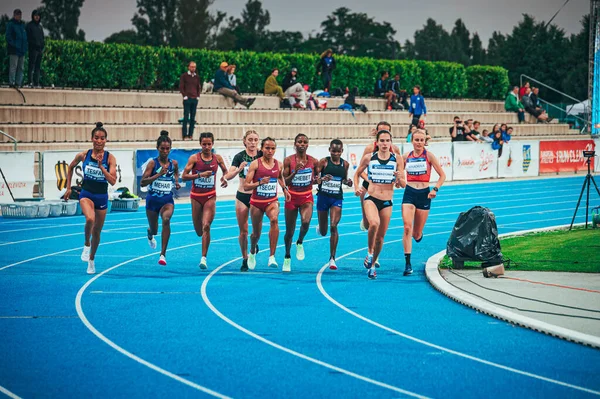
{"x":271,"y":85}
{"x":294,"y":90}
{"x":523,"y":90}
{"x":411,"y":130}
{"x":531,"y":107}
{"x":401,"y":95}
{"x":232,"y":78}
{"x":512,"y":104}
{"x":381,"y":90}
{"x":460,"y":131}
{"x":223,"y":87}
{"x":351,"y":100}
{"x":485,"y":137}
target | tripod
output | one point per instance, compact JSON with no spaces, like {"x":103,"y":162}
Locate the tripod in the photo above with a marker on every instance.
{"x":7,"y":186}
{"x":586,"y":184}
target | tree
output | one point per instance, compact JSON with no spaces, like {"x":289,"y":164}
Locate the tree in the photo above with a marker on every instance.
{"x":61,"y":19}
{"x":461,"y":43}
{"x":125,"y":36}
{"x":478,"y":56}
{"x":575,"y":79}
{"x":357,"y":34}
{"x":3,"y":21}
{"x":432,"y":43}
{"x":196,"y":24}
{"x":282,"y":42}
{"x":246,"y":33}
{"x":495,"y":48}
{"x":156,"y":22}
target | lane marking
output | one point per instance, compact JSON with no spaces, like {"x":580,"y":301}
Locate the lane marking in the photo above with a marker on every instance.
{"x":9,"y":393}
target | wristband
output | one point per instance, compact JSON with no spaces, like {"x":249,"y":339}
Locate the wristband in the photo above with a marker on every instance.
{"x":435,"y":189}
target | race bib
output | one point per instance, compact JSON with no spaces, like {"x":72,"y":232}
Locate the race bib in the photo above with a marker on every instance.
{"x":382,"y":174}
{"x":416,"y":166}
{"x":162,"y":186}
{"x":93,"y":172}
{"x":246,"y":169}
{"x":302,"y":178}
{"x":205,"y":182}
{"x":333,"y":186}
{"x":267,"y":190}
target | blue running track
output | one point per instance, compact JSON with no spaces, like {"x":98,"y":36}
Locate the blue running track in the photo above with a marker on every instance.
{"x":139,"y":330}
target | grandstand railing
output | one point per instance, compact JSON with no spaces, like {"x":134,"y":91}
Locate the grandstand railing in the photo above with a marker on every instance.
{"x":8,"y":136}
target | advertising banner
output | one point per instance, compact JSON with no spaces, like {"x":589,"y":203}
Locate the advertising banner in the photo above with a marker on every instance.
{"x":474,"y":161}
{"x":519,"y":159}
{"x":18,"y":169}
{"x":564,"y":156}
{"x":56,"y":165}
{"x":443,"y":152}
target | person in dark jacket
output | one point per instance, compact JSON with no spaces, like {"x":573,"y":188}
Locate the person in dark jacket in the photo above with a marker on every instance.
{"x":223,"y":87}
{"x":325,"y":68}
{"x":381,"y":90}
{"x":401,"y":95}
{"x":189,"y":87}
{"x":35,"y":39}
{"x":293,"y":88}
{"x":16,"y":41}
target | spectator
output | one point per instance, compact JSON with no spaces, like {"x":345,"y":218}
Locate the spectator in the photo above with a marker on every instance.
{"x":401,"y":96}
{"x":460,"y":131}
{"x":271,"y":85}
{"x":469,"y":133}
{"x":475,"y":127}
{"x":485,"y":137}
{"x":495,"y":129}
{"x":421,"y":126}
{"x":417,"y":106}
{"x":16,"y":41}
{"x":523,"y":90}
{"x":292,"y":88}
{"x":232,"y":78}
{"x":325,"y":68}
{"x":351,"y":100}
{"x":223,"y":87}
{"x":502,"y":136}
{"x":381,"y":90}
{"x":35,"y":39}
{"x":189,"y":87}
{"x":512,"y":104}
{"x":531,"y":109}
{"x":411,"y":130}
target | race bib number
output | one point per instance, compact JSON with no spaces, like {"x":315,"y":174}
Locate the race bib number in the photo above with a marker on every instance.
{"x":205,"y":182}
{"x":246,"y":169}
{"x":303,"y":178}
{"x":93,"y":172}
{"x":333,"y":186}
{"x":267,"y":190}
{"x":416,"y":166}
{"x":162,"y":186}
{"x":382,"y":174}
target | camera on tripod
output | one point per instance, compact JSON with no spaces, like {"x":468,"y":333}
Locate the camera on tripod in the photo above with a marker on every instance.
{"x":589,"y":154}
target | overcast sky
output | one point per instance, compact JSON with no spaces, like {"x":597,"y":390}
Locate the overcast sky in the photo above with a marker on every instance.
{"x":100,"y":18}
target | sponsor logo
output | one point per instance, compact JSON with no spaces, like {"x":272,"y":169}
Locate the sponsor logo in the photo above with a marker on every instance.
{"x":60,"y":171}
{"x":486,"y":160}
{"x":547,"y":157}
{"x":466,"y":162}
{"x":526,"y":157}
{"x":445,"y":161}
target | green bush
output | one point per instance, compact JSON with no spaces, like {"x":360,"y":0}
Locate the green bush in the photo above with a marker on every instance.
{"x":125,"y":66}
{"x":487,"y":82}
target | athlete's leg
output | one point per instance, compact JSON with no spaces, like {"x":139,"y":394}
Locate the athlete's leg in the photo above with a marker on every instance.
{"x":241,"y":212}
{"x":166,"y":212}
{"x":291,"y":215}
{"x":306,"y":212}
{"x":372,"y":215}
{"x":272,"y":212}
{"x":384,"y":217}
{"x":408,"y":216}
{"x":87,"y":208}
{"x":336,"y":215}
{"x":256,"y":214}
{"x":197,"y":214}
{"x":419,"y":223}
{"x":100,"y":215}
{"x":323,"y":222}
{"x":152,"y":223}
{"x":208,"y":216}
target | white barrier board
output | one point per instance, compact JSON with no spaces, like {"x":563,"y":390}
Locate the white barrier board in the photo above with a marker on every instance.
{"x":443,"y":152}
{"x":520,"y":159}
{"x":474,"y":161}
{"x":18,"y":169}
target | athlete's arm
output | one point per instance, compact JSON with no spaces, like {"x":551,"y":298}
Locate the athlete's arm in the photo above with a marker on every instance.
{"x":438,"y":168}
{"x":345,"y":180}
{"x":187,"y":171}
{"x":321,"y":165}
{"x":364,"y":162}
{"x":176,"y":174}
{"x":111,"y":176}
{"x":287,"y":176}
{"x":146,"y":178}
{"x":249,"y":185}
{"x":223,"y":169}
{"x":400,"y":175}
{"x":368,"y":150}
{"x":78,"y":158}
{"x":236,"y":167}
{"x":316,"y":169}
{"x":282,"y":183}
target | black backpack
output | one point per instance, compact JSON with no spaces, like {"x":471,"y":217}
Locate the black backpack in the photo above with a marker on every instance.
{"x":285,"y":103}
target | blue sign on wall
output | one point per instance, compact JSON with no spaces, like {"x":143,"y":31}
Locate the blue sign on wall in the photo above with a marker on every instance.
{"x":141,"y":160}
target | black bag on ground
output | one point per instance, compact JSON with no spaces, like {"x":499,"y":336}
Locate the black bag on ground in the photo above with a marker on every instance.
{"x":475,"y":237}
{"x":285,"y":103}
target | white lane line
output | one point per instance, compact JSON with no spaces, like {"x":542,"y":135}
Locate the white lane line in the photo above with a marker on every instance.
{"x":432,"y":345}
{"x":287,"y":350}
{"x":125,"y":352}
{"x":9,"y":393}
{"x":144,"y":292}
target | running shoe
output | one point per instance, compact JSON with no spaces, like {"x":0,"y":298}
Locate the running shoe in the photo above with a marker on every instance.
{"x":85,"y":255}
{"x":368,"y":261}
{"x":252,"y":259}
{"x":362,"y":226}
{"x":273,"y":262}
{"x":299,"y":251}
{"x":152,"y":242}
{"x":244,"y":267}
{"x":332,"y":264}
{"x":91,"y":267}
{"x":377,"y":265}
{"x":287,"y":265}
{"x":408,"y":270}
{"x":372,"y":274}
{"x":162,"y":260}
{"x":203,"y":265}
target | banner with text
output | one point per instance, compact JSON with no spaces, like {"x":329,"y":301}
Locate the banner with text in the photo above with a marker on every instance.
{"x":564,"y":156}
{"x":474,"y":161}
{"x":56,"y":166}
{"x":597,"y":158}
{"x":519,"y":159}
{"x":18,"y":170}
{"x":443,"y":152}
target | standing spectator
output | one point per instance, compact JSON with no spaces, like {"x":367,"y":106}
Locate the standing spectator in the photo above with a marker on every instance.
{"x":523,"y":90}
{"x":469,"y":133}
{"x":16,"y":41}
{"x":512,"y":104}
{"x":417,"y":106}
{"x":271,"y":85}
{"x":232,"y":78}
{"x":223,"y":87}
{"x":325,"y":68}
{"x":293,"y":88}
{"x":35,"y":38}
{"x":475,"y":128}
{"x":502,"y":136}
{"x":459,"y":131}
{"x":189,"y":87}
{"x":381,"y":90}
{"x":531,"y":109}
{"x":495,"y":129}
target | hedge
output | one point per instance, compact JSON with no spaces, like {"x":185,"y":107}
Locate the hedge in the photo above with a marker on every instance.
{"x":125,"y":66}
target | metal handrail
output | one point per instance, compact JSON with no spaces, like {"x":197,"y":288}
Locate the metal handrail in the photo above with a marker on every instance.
{"x":10,"y":138}
{"x":583,"y":121}
{"x":587,"y":113}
